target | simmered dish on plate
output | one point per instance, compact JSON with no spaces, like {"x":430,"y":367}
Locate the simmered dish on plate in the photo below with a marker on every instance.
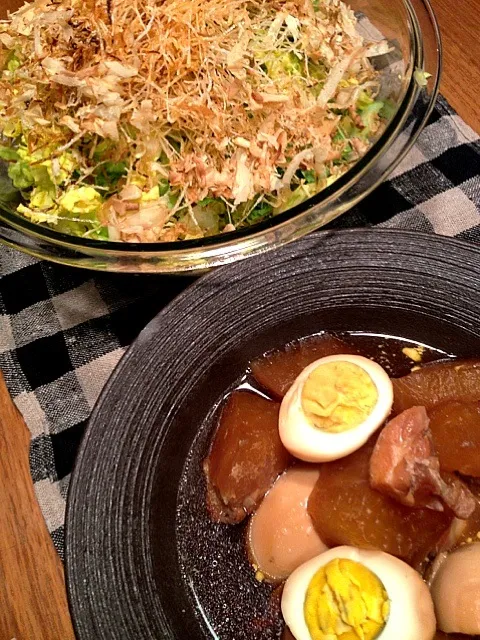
{"x":155,"y":121}
{"x":348,"y":465}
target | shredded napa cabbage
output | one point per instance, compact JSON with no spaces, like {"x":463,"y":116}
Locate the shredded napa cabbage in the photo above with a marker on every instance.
{"x":137,"y":121}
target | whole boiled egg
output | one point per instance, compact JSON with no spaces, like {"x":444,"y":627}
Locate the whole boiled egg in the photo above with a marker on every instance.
{"x":334,"y":406}
{"x":456,"y":591}
{"x":281,"y":535}
{"x":353,"y":593}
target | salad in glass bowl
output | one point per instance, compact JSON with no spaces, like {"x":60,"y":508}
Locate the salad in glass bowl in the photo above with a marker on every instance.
{"x":139,"y":121}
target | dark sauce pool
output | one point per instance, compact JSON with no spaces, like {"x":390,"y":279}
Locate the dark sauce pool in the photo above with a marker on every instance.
{"x":231,"y":604}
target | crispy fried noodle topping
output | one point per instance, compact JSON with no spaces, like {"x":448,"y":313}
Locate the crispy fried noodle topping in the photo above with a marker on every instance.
{"x":161,"y":120}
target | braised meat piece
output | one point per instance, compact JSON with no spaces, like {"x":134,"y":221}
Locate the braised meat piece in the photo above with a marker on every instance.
{"x":404,"y":465}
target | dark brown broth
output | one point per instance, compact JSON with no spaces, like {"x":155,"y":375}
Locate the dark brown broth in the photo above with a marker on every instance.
{"x":230,"y":603}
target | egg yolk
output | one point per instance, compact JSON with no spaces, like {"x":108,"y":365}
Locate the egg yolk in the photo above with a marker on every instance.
{"x":345,"y":601}
{"x":338,"y":396}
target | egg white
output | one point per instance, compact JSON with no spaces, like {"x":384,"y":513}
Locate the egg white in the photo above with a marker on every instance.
{"x":411,"y":614}
{"x":455,"y":591}
{"x":309,"y":443}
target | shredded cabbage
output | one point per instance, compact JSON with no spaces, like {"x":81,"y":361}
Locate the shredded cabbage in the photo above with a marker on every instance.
{"x":421,"y":77}
{"x":140,"y":121}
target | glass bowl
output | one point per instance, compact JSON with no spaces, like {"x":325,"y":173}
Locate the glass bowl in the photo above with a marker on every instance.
{"x":412,"y":31}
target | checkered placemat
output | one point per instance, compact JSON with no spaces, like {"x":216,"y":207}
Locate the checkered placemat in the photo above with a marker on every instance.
{"x":63,"y":330}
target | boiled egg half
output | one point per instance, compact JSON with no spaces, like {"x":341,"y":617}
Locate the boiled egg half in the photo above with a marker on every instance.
{"x":334,"y":406}
{"x":353,"y":593}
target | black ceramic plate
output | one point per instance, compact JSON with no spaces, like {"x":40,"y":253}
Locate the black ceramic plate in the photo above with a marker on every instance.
{"x":143,"y":562}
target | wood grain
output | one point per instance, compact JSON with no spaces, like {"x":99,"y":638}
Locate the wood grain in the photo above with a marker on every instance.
{"x":32,"y":595}
{"x":460,"y":26}
{"x":33,"y":604}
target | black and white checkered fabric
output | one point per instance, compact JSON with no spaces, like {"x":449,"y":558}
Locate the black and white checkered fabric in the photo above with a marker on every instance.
{"x":63,"y":330}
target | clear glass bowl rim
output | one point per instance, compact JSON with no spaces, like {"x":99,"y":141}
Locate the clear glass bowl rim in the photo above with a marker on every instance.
{"x":191,"y":255}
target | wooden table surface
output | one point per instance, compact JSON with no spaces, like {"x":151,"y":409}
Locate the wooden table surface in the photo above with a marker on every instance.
{"x":32,"y":595}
